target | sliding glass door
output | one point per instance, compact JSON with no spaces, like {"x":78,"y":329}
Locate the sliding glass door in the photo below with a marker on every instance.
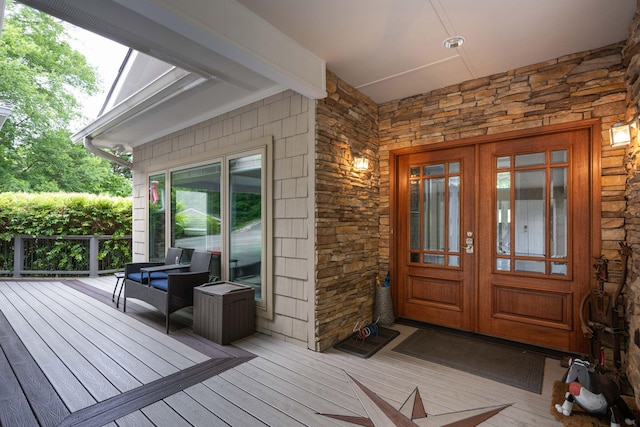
{"x":220,"y":207}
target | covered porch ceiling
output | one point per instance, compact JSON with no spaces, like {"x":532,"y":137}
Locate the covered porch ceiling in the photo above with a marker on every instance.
{"x":229,"y":53}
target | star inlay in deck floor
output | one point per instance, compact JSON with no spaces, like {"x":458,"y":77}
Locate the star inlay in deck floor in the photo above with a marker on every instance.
{"x":412,"y":412}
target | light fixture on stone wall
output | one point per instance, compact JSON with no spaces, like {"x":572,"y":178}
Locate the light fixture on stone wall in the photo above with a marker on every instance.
{"x":360,"y":163}
{"x":620,"y":133}
{"x":5,"y":111}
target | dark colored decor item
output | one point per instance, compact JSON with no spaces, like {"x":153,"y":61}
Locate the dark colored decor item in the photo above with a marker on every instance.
{"x":580,"y":418}
{"x":596,"y":392}
{"x":374,"y":342}
{"x":383,"y":309}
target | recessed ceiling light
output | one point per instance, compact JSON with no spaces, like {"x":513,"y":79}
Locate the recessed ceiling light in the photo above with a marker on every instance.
{"x":453,"y":42}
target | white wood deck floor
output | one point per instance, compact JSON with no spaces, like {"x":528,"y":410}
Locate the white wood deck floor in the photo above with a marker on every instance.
{"x":90,"y":352}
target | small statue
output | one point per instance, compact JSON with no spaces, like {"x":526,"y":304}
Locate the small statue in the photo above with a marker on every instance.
{"x":595,"y":393}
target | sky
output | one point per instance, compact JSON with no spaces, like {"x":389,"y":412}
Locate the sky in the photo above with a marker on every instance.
{"x":104,"y":55}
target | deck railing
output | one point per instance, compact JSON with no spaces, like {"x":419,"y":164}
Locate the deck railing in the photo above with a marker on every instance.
{"x":25,"y":255}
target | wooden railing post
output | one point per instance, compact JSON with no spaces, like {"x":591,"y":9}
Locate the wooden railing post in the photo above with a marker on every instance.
{"x":93,"y":256}
{"x":18,"y":253}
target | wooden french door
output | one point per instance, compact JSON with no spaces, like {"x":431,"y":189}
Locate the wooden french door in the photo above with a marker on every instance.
{"x":436,"y":233}
{"x":535,"y":263}
{"x":495,"y":237}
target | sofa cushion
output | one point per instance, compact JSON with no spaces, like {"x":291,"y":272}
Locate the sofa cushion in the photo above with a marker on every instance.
{"x":159,"y":284}
{"x":137,"y":277}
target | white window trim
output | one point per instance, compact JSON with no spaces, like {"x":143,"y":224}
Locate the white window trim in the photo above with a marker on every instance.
{"x":264,"y":308}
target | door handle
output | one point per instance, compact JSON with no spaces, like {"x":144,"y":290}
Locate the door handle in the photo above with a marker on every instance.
{"x":468,"y":247}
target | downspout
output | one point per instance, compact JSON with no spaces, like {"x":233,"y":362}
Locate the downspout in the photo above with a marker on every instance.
{"x":88,"y":144}
{"x":88,"y":141}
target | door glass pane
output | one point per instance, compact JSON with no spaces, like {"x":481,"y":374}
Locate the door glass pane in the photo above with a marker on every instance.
{"x":454,"y":214}
{"x":157,"y":200}
{"x":503,"y":162}
{"x":245,"y":220}
{"x":533,"y":159}
{"x":559,"y":156}
{"x":530,"y":215}
{"x":414,"y":221}
{"x":195,"y":208}
{"x":559,"y":268}
{"x":434,"y":214}
{"x":558,"y":232}
{"x":503,"y":264}
{"x":503,"y":213}
{"x":530,"y":266}
{"x":433,"y":259}
{"x":434,"y":170}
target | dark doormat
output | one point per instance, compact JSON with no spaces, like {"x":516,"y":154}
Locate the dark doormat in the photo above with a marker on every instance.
{"x":371,"y":344}
{"x":498,"y":362}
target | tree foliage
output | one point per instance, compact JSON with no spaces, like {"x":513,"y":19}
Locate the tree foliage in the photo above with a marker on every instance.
{"x":246,"y":209}
{"x":41,"y":73}
{"x":64,"y":214}
{"x":49,"y":214}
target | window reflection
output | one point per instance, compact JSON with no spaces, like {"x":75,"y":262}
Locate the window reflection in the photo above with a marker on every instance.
{"x":454,"y":214}
{"x":533,"y":159}
{"x":558,"y":237}
{"x":531,"y":212}
{"x":245,"y":220}
{"x":435,"y":214}
{"x":414,"y":219}
{"x":503,"y":210}
{"x":157,"y":218}
{"x":530,"y":207}
{"x":433,"y":209}
{"x":195,"y":208}
{"x":219,"y":207}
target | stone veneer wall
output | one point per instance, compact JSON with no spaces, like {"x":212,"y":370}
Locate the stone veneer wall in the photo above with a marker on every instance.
{"x":575,"y":87}
{"x":288,"y":117}
{"x":632,"y":220}
{"x":347,"y":212}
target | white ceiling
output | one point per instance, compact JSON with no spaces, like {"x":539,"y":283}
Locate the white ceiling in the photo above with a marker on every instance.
{"x":239,"y":51}
{"x":391,"y":49}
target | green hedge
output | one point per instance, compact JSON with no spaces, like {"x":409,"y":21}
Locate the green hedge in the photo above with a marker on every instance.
{"x":64,"y":214}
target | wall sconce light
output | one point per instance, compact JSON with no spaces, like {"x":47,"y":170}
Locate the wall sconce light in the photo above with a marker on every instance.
{"x":5,"y":111}
{"x":620,"y":133}
{"x":360,"y":163}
